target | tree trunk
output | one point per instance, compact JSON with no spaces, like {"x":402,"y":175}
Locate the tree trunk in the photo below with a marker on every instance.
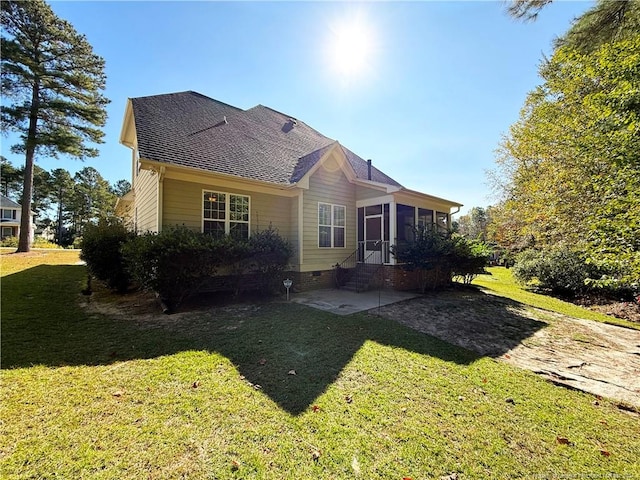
{"x":59,"y":226}
{"x":24,"y":242}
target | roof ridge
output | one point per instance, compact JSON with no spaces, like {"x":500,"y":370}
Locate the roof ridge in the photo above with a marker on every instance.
{"x":275,"y":111}
{"x":294,"y":118}
{"x":190,"y":92}
{"x":214,"y":100}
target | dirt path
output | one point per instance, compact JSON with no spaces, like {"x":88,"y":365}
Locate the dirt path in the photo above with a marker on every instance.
{"x":593,"y":357}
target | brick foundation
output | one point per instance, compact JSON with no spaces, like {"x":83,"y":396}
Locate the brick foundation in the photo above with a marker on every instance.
{"x":395,"y":277}
{"x":399,"y":277}
{"x":303,"y":281}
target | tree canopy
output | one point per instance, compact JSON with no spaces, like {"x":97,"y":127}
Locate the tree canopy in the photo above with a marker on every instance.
{"x":607,"y":21}
{"x":54,"y":85}
{"x":569,"y":169}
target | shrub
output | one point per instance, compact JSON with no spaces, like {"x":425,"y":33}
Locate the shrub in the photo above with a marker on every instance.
{"x":469,"y":258}
{"x":178,"y":261}
{"x":255,"y":264}
{"x":427,"y":253}
{"x":101,"y":249}
{"x":269,"y":254}
{"x":9,"y":242}
{"x":40,"y":242}
{"x":173,"y":263}
{"x":442,"y":254}
{"x":558,"y":269}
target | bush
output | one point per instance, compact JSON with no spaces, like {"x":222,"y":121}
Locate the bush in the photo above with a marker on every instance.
{"x":558,"y":269}
{"x":40,"y":242}
{"x":443,"y":254}
{"x":101,"y":249}
{"x":270,"y":253}
{"x":469,"y":259}
{"x":259,"y":261}
{"x":9,"y":242}
{"x":174,"y":262}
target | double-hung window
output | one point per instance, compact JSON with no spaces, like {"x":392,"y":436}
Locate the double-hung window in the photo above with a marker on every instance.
{"x":225,"y":214}
{"x":331,"y":225}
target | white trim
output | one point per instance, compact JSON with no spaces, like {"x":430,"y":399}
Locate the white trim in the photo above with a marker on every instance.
{"x":370,"y":202}
{"x":227,"y":214}
{"x":342,"y":161}
{"x":300,"y":227}
{"x":393,"y":226}
{"x":331,"y":226}
{"x":160,"y":187}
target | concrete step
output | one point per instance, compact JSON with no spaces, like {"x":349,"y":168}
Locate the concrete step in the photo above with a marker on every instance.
{"x":353,"y":286}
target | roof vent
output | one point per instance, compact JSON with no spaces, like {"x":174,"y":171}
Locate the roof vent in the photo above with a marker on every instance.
{"x":291,"y":123}
{"x":369,"y":169}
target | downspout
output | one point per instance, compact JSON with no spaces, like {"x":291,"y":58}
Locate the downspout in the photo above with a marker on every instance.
{"x":451,"y":214}
{"x":160,"y":196}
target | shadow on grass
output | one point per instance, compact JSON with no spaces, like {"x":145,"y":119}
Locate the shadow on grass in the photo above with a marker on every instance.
{"x":44,"y":323}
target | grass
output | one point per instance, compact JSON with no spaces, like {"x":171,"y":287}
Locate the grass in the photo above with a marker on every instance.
{"x":500,"y":282}
{"x":209,"y":394}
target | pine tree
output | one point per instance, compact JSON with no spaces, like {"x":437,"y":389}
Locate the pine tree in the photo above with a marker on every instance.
{"x":607,"y":21}
{"x":54,"y":85}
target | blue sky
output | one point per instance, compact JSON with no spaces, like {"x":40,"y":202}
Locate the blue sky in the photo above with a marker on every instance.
{"x":441,"y":83}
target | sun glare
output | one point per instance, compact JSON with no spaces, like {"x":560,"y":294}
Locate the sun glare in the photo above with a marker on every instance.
{"x":351,"y":48}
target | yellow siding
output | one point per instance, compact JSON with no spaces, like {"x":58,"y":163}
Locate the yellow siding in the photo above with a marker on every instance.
{"x":183,"y":206}
{"x":364,"y":193}
{"x":146,"y":201}
{"x":294,"y":225}
{"x":327,"y":185}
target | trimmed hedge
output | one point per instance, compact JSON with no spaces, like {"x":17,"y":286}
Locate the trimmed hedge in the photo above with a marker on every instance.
{"x":178,"y":261}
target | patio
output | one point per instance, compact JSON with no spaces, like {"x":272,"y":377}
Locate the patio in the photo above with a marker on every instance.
{"x":344,"y":302}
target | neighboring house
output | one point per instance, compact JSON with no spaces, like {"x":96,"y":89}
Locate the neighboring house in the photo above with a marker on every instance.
{"x":221,"y":170}
{"x":10,"y":215}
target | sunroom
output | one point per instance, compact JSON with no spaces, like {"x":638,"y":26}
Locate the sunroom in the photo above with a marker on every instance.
{"x":392,"y":219}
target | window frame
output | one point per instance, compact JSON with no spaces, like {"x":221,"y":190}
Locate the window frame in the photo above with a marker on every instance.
{"x":227,"y":211}
{"x":332,"y":225}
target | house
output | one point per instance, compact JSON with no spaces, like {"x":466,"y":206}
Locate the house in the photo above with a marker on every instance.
{"x":215,"y":168}
{"x":10,"y":215}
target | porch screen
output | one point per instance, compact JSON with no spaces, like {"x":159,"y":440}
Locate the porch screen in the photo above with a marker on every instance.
{"x":406,"y":222}
{"x":425,"y":218}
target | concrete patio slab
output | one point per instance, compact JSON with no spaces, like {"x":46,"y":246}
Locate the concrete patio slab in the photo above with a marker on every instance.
{"x":345,"y":302}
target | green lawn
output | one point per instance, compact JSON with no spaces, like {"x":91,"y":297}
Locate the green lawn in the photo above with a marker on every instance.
{"x":499,"y":281}
{"x":212,"y":395}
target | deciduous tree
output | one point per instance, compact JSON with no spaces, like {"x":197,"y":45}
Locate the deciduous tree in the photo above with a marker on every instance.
{"x":570,"y":167}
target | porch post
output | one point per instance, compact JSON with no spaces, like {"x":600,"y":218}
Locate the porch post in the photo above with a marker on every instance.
{"x":392,"y":228}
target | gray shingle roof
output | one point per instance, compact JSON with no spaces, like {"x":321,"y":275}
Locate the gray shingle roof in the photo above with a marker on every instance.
{"x":260,"y":143}
{"x":6,"y":202}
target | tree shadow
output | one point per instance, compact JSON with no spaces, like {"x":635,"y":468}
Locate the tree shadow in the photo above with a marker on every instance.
{"x":290,"y":352}
{"x":486,"y":324}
